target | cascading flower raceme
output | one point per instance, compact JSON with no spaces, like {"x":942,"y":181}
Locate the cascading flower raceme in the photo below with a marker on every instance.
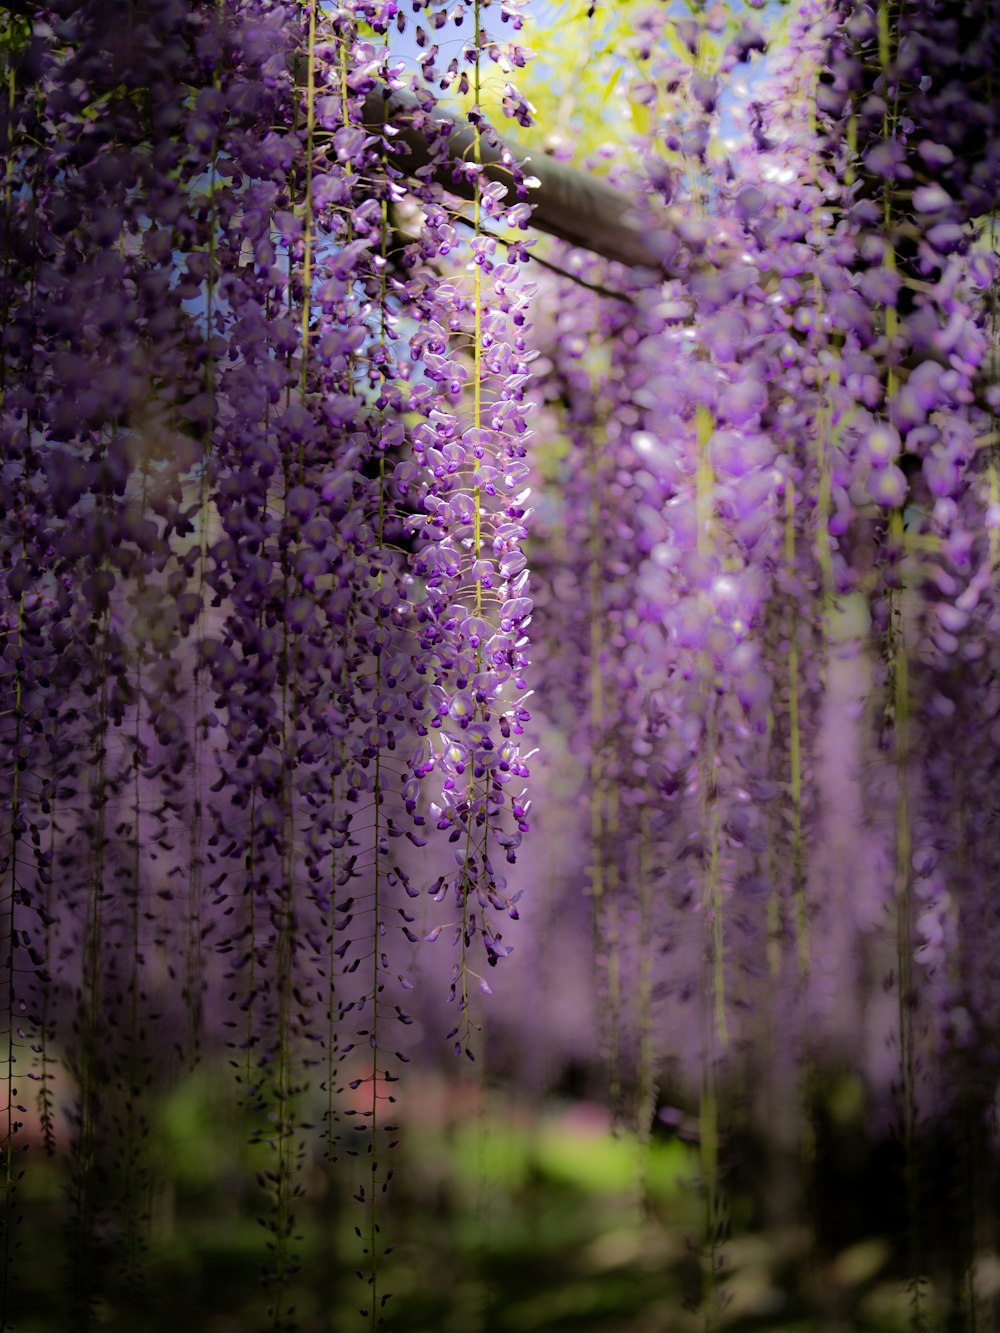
{"x":238,"y":579}
{"x":305,"y":459}
{"x":812,"y":475}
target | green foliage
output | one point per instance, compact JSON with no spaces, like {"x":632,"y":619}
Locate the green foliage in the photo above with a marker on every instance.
{"x":507,"y":1220}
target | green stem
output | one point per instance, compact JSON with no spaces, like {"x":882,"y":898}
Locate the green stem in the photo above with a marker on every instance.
{"x":9,"y":1178}
{"x":795,"y":747}
{"x":707,"y":783}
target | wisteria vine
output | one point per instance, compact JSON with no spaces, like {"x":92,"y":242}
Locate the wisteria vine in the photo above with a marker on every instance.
{"x":278,"y":509}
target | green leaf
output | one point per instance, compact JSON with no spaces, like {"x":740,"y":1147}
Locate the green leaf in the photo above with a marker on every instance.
{"x":609,"y":87}
{"x":641,"y":117}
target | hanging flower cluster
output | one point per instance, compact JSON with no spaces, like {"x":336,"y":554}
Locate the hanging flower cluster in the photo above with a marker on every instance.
{"x":808,"y":424}
{"x":798,"y":458}
{"x":264,"y":596}
{"x":273,"y":433}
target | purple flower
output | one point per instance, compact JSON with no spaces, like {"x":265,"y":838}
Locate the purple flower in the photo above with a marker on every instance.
{"x":888,"y":486}
{"x":931,"y":199}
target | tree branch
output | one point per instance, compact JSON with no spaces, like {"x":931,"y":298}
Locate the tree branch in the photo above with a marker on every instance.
{"x":569,"y":204}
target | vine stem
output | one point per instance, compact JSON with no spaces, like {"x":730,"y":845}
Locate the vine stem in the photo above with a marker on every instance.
{"x":645,"y":1102}
{"x":477,"y":520}
{"x":377,"y":923}
{"x":707,"y":785}
{"x":795,"y":748}
{"x":715,"y":1032}
{"x":899,"y":702}
{"x":11,"y":1000}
